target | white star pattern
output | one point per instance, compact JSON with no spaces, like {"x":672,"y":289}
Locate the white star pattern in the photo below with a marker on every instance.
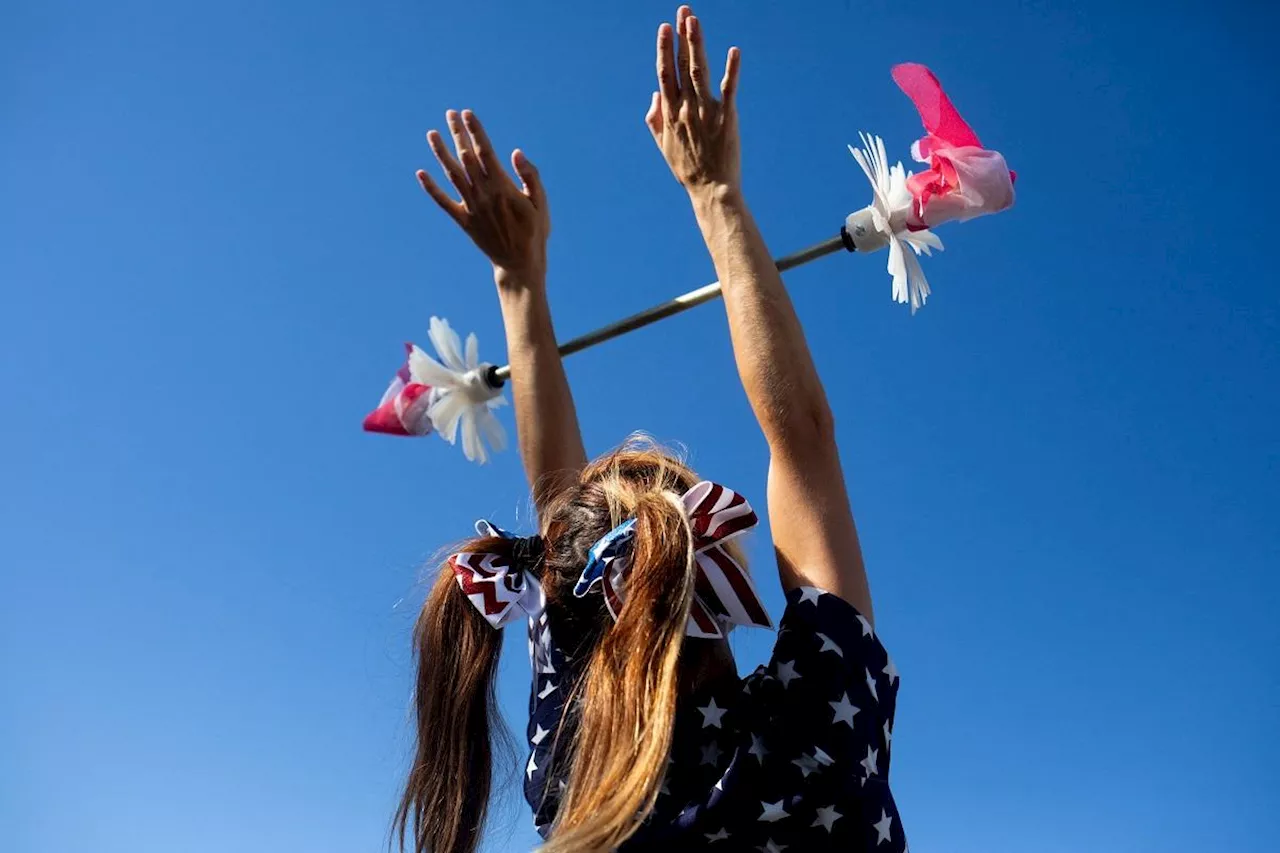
{"x":891,"y":670}
{"x":757,"y":748}
{"x":540,"y":645}
{"x":828,"y":644}
{"x":869,"y":763}
{"x":844,"y":710}
{"x":807,"y":764}
{"x":827,"y":817}
{"x":779,"y":726}
{"x":884,"y":826}
{"x":787,"y":673}
{"x":772,"y":811}
{"x":711,"y":714}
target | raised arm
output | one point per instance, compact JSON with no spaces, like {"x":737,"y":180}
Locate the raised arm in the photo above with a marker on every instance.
{"x":510,"y":224}
{"x":809,"y":513}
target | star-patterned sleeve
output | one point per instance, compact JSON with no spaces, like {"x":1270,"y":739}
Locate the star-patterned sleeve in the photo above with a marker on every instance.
{"x":836,"y":680}
{"x":808,"y":760}
{"x":827,"y":697}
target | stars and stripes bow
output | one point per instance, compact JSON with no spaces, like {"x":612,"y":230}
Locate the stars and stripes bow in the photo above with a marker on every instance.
{"x":497,"y":585}
{"x":724,"y":593}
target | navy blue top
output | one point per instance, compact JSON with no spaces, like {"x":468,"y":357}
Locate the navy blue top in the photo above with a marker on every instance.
{"x":794,"y":756}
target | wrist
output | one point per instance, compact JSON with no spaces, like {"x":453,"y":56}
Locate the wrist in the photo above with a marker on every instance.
{"x":524,"y":278}
{"x":709,"y":196}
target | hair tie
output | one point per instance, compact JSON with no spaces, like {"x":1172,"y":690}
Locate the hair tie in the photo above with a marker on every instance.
{"x":527,"y":553}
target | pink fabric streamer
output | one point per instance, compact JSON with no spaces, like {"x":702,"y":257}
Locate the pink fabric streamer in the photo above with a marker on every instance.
{"x":403,"y":407}
{"x":964,"y":179}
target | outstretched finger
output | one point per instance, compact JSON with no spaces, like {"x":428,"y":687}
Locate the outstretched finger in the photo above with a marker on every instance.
{"x":461,"y":141}
{"x":481,"y":145}
{"x":466,"y":153}
{"x":729,"y":85}
{"x":667,"y":70}
{"x":457,"y":175}
{"x":682,"y":50}
{"x":697,"y":51}
{"x":530,"y":178}
{"x":440,"y":197}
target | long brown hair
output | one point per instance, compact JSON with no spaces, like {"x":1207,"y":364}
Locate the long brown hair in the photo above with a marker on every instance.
{"x":621,"y":734}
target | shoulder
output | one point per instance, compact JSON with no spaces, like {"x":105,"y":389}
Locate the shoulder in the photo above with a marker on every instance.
{"x":836,"y":625}
{"x":829,"y":683}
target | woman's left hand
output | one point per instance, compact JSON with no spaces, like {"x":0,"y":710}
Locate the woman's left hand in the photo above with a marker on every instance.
{"x":509,"y":223}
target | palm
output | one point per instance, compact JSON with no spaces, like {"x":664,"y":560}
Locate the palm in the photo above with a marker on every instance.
{"x":506,"y":227}
{"x":509,"y":223}
{"x":696,"y":132}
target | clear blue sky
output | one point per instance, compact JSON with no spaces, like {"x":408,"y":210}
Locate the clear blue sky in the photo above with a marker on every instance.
{"x":1064,"y":468}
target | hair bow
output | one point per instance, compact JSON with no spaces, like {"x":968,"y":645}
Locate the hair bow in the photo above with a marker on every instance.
{"x":724,"y":593}
{"x":500,"y":587}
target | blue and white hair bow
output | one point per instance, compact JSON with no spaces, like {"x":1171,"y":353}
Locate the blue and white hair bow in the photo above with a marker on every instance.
{"x":724,"y":594}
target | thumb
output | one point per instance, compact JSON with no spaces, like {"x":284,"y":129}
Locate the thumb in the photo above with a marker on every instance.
{"x":653,"y":118}
{"x":529,"y":177}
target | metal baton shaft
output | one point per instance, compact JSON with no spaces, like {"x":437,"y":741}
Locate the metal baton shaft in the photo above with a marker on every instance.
{"x":498,"y":376}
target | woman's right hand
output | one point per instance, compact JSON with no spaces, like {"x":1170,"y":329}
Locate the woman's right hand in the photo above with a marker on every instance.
{"x":697,"y":134}
{"x":509,"y":223}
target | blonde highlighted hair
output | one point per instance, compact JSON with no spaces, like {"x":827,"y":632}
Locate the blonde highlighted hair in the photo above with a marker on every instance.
{"x":620,"y":735}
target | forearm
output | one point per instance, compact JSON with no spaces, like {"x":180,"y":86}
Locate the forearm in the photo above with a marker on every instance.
{"x":773,"y":360}
{"x":809,"y":513}
{"x":546,"y":422}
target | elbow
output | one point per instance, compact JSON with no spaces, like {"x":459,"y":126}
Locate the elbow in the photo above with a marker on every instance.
{"x":807,"y":429}
{"x":821,"y":424}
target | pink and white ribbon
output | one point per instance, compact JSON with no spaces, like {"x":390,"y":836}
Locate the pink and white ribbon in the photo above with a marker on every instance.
{"x":404,"y":407}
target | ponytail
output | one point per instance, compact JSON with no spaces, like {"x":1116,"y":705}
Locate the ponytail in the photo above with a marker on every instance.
{"x":447,"y":793}
{"x":631,"y":684}
{"x":621,"y":713}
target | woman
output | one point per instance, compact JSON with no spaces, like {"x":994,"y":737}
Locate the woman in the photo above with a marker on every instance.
{"x":641,"y":734}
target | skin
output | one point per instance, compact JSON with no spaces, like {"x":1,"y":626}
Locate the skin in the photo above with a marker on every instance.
{"x":814,"y":534}
{"x":809,"y":512}
{"x":510,"y":224}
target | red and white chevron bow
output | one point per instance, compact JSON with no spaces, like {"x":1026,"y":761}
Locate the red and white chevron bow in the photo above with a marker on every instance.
{"x":724,"y":594}
{"x":498,"y":590}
